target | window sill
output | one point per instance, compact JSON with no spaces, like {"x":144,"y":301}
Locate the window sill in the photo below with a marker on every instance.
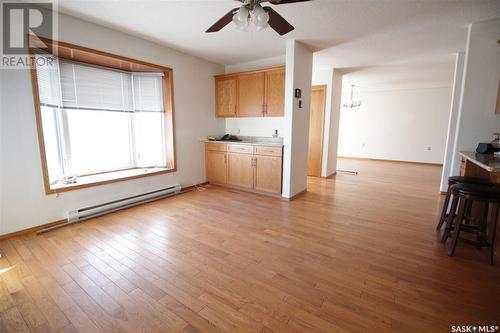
{"x":106,"y":178}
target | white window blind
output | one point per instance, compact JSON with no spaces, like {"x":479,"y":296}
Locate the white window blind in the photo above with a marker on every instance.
{"x":49,"y":85}
{"x":148,"y":92}
{"x":97,"y":119}
{"x":85,"y":86}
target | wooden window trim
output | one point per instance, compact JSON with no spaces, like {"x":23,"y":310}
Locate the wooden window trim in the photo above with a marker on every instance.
{"x":90,"y":56}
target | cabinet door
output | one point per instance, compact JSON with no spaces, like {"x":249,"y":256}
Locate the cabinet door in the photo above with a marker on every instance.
{"x":251,"y":95}
{"x":226,"y":89}
{"x":268,"y":174}
{"x":216,"y":167}
{"x":240,"y":170}
{"x":275,"y":93}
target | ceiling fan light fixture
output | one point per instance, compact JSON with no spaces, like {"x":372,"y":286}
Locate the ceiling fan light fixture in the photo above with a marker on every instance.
{"x":241,"y":18}
{"x":260,"y":17}
{"x":251,"y":16}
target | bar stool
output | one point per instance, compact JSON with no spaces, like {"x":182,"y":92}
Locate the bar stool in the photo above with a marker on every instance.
{"x":453,"y":181}
{"x":464,"y":195}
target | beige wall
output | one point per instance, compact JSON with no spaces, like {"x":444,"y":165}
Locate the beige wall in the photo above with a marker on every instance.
{"x":23,"y":201}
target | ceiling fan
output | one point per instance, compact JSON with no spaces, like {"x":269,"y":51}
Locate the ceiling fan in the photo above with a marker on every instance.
{"x":251,"y":11}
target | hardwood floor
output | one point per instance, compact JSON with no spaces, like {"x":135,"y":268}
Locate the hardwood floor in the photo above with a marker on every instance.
{"x":355,"y":253}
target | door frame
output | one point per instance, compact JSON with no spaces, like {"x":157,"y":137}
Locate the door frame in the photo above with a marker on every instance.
{"x":320,"y":87}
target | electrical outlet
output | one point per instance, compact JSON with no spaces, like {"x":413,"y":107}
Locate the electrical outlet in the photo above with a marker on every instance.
{"x":237,"y":131}
{"x":363,"y":145}
{"x":429,"y":148}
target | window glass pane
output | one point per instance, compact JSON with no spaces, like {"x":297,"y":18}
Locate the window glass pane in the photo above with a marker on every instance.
{"x":98,"y":120}
{"x":50,"y":138}
{"x":149,"y":139}
{"x":99,"y":141}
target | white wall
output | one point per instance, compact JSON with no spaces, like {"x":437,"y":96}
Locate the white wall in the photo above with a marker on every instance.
{"x":296,"y":133}
{"x":333,"y":80}
{"x":325,"y":77}
{"x":396,"y":125}
{"x":24,"y":203}
{"x":453,"y":119}
{"x":477,"y":119}
{"x":261,"y":126}
{"x":333,"y":136}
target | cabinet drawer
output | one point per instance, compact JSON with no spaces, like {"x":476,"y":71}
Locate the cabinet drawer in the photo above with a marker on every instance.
{"x":215,"y":146}
{"x":240,"y":149}
{"x":268,"y":151}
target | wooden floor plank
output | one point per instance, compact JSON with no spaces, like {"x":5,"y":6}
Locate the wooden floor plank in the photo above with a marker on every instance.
{"x":353,"y":254}
{"x":11,"y":320}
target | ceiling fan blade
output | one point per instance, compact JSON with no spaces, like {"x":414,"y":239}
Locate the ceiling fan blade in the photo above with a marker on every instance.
{"x":283,"y":2}
{"x":277,"y":22}
{"x":223,"y":21}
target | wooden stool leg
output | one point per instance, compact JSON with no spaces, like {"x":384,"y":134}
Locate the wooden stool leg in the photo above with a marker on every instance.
{"x":468,"y":209}
{"x":442,"y":218}
{"x":456,"y":229}
{"x":450,"y":218}
{"x":493,"y":232}
{"x":483,"y":222}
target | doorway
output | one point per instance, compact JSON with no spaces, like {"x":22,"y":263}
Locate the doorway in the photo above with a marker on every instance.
{"x":316,"y":123}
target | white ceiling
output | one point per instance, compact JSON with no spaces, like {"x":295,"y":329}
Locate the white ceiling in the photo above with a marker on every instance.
{"x":390,"y":77}
{"x":346,"y":33}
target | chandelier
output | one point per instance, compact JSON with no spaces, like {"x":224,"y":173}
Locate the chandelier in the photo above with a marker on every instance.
{"x":352,"y":103}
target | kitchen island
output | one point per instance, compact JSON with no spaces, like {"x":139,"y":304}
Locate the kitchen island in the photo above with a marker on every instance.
{"x":485,"y":166}
{"x":485,"y":162}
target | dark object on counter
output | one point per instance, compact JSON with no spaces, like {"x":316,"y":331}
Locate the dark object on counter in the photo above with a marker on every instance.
{"x":496,"y":142}
{"x":227,"y":137}
{"x":486,"y":148}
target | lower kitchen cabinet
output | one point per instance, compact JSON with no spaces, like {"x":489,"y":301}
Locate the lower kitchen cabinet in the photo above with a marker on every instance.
{"x":240,"y":170}
{"x":268,"y":174}
{"x":256,"y":168}
{"x":216,"y":162}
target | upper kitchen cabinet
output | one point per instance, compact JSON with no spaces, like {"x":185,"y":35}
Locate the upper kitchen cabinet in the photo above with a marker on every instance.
{"x":226,"y":96}
{"x":251,"y":90}
{"x":258,"y":93}
{"x":275,"y":93}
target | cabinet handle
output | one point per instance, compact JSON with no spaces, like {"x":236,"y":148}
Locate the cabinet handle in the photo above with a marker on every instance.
{"x":225,"y":158}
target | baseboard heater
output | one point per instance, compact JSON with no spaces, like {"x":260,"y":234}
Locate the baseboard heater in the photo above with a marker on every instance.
{"x":86,"y":213}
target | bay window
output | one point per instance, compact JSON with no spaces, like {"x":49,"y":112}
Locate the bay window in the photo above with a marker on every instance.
{"x":99,"y":120}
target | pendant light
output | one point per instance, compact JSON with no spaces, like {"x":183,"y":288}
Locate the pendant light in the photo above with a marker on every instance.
{"x":352,"y":103}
